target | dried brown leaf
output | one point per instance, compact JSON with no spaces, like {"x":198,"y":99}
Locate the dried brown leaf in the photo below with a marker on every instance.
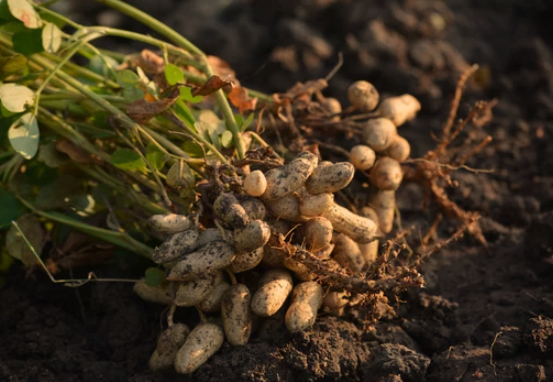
{"x":143,"y":110}
{"x":213,"y":84}
{"x":76,"y":153}
{"x":239,"y":98}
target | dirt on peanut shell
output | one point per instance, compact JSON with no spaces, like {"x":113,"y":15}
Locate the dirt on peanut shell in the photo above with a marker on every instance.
{"x":486,"y":314}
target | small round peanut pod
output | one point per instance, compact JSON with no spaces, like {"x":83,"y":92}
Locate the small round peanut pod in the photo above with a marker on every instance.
{"x":287,"y":208}
{"x":387,"y":174}
{"x":255,"y":183}
{"x":227,"y":207}
{"x":362,"y":157}
{"x":206,"y":259}
{"x":363,"y":96}
{"x":244,"y":261}
{"x":400,"y":109}
{"x":253,"y":236}
{"x":212,"y":302}
{"x":307,"y":298}
{"x":169,"y":223}
{"x":254,"y":207}
{"x":202,"y":342}
{"x":237,"y":314}
{"x":334,"y":303}
{"x":193,"y":292}
{"x":330,"y":179}
{"x":285,"y":180}
{"x":274,"y":288}
{"x":177,"y":245}
{"x":358,"y":228}
{"x":317,"y":233}
{"x":168,"y":344}
{"x":384,"y":204}
{"x":332,"y":105}
{"x":158,"y":294}
{"x":311,"y":206}
{"x":379,"y":133}
{"x":347,"y":253}
{"x":399,"y":149}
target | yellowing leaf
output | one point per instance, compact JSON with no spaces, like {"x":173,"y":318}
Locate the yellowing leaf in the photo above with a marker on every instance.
{"x":16,"y":98}
{"x":51,"y":38}
{"x":24,"y":11}
{"x":24,"y":136}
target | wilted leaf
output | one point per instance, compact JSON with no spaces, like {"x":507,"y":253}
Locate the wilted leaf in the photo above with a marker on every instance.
{"x":28,"y":42}
{"x":154,"y":277}
{"x":12,"y":64}
{"x":24,"y":11}
{"x":24,"y":136}
{"x":173,"y":74}
{"x":51,"y":38}
{"x":16,"y":98}
{"x":11,"y":208}
{"x":76,"y":153}
{"x":142,"y":111}
{"x":15,"y":244}
{"x":213,"y":84}
{"x":180,"y":176}
{"x":226,"y":139}
{"x":155,"y":156}
{"x":239,"y":98}
{"x":50,"y":156}
{"x":127,"y":159}
{"x":150,"y":62}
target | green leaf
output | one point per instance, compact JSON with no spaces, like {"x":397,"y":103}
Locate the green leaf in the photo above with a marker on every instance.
{"x":24,"y":136}
{"x":183,"y":112}
{"x":11,"y":208}
{"x":12,"y":64}
{"x":16,"y":245}
{"x":193,"y":148}
{"x":128,"y":79}
{"x":15,"y":97}
{"x":186,"y":95}
{"x":50,"y":156}
{"x":24,"y":11}
{"x":180,"y":176}
{"x":243,"y":124}
{"x":155,"y":156}
{"x":154,"y":277}
{"x":214,"y":138}
{"x":127,"y":159}
{"x":51,"y":38}
{"x":52,"y":18}
{"x":226,"y":139}
{"x":101,"y":65}
{"x":28,"y":42}
{"x":133,"y":94}
{"x":173,"y":74}
{"x":14,"y":26}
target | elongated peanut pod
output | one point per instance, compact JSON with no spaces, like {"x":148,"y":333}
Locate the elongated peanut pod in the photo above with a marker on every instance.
{"x":369,"y":250}
{"x":169,"y":224}
{"x":255,"y":183}
{"x":315,"y":205}
{"x":212,"y":302}
{"x":274,"y":288}
{"x":363,"y":96}
{"x":384,"y":203}
{"x":244,"y":261}
{"x":362,"y":157}
{"x":387,"y":174}
{"x":214,"y":234}
{"x":284,"y":180}
{"x":168,"y":344}
{"x":227,"y":207}
{"x":307,"y":298}
{"x":253,"y":236}
{"x":379,"y":133}
{"x":158,"y":294}
{"x":334,"y":303}
{"x":177,"y":245}
{"x":237,"y":314}
{"x":202,"y":342}
{"x":287,"y":208}
{"x":400,"y":109}
{"x":317,"y":233}
{"x":347,"y":253}
{"x":193,"y":292}
{"x":254,"y":207}
{"x":330,"y":179}
{"x":212,"y":256}
{"x":300,"y":270}
{"x":358,"y":228}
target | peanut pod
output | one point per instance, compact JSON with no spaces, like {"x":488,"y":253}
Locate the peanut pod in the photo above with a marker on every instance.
{"x":244,"y":261}
{"x":227,"y":207}
{"x":202,"y":342}
{"x":168,"y":345}
{"x":177,"y":245}
{"x":347,"y":253}
{"x":169,"y":224}
{"x":358,"y":228}
{"x":274,"y":288}
{"x":237,"y":314}
{"x":253,"y":236}
{"x":193,"y":292}
{"x":330,"y":179}
{"x":158,"y":294}
{"x":207,"y":259}
{"x":307,"y":298}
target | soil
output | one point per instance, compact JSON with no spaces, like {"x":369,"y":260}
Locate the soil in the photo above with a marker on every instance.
{"x":485,"y":314}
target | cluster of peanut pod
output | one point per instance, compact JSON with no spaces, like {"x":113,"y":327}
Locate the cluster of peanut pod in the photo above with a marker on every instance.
{"x":279,"y":211}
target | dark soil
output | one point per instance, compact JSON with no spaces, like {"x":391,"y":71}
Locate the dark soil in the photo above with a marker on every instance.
{"x":485,"y":315}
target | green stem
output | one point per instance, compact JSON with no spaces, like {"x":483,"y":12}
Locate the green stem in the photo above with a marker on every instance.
{"x":120,"y":239}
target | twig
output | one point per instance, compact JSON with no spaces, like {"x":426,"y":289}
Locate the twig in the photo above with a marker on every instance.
{"x":450,"y":167}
